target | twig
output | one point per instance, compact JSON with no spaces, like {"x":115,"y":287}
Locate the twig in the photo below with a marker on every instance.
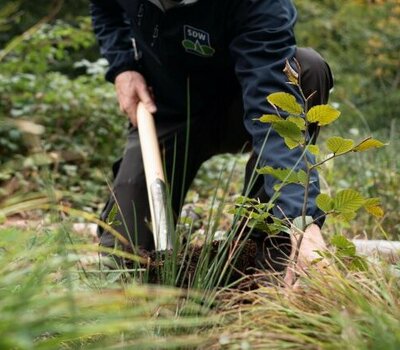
{"x":334,"y":155}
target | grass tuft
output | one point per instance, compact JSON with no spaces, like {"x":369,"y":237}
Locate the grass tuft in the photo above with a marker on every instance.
{"x":331,"y":310}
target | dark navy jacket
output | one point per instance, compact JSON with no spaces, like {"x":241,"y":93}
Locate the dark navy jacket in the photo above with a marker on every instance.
{"x":209,"y":42}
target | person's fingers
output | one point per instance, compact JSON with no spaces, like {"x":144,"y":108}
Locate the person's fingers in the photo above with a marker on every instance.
{"x":132,"y":88}
{"x":131,"y":112}
{"x":151,"y":91}
{"x":145,"y":98}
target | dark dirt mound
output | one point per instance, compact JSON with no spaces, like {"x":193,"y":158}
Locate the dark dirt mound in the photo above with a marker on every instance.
{"x":240,"y":258}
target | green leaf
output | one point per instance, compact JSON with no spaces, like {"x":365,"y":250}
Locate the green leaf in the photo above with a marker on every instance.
{"x":368,"y":144}
{"x":299,"y":121}
{"x":262,"y":226}
{"x":241,"y":200}
{"x":322,"y":114}
{"x":285,"y":101}
{"x":324,"y":202}
{"x":285,"y":175}
{"x":358,"y":263}
{"x":270,"y":118}
{"x":298,"y":222}
{"x":347,"y":216}
{"x":113,"y":213}
{"x":339,"y":145}
{"x":375,"y":210}
{"x":290,"y":143}
{"x":302,"y":177}
{"x":290,"y":132}
{"x":348,"y":201}
{"x":313,"y":149}
{"x":372,"y":201}
{"x":372,"y":206}
{"x":343,"y":246}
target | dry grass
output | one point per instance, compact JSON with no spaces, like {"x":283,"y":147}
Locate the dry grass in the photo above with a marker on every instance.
{"x":332,"y":310}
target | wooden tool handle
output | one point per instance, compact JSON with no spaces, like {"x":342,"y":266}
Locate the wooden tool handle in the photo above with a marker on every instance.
{"x":149,"y":145}
{"x":155,"y":180}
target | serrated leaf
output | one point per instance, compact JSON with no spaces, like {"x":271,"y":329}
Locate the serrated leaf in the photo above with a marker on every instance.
{"x":347,"y":216}
{"x":339,"y":145}
{"x":373,"y":206}
{"x":343,"y":246}
{"x":324,"y":202}
{"x":302,"y":177}
{"x":231,"y":210}
{"x":290,"y":143}
{"x":285,"y":101}
{"x":322,"y":114}
{"x":241,"y":200}
{"x":299,"y":121}
{"x":368,"y":144}
{"x":259,"y":225}
{"x":298,"y":222}
{"x":313,"y":149}
{"x":372,"y":202}
{"x":375,"y":210}
{"x":348,"y":201}
{"x":290,"y":132}
{"x":270,"y":118}
{"x":286,"y":175}
{"x":358,"y":263}
{"x":278,"y":225}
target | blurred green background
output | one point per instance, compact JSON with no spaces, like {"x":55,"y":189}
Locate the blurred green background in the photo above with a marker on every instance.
{"x":51,"y":75}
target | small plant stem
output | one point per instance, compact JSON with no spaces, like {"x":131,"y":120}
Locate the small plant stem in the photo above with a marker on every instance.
{"x":308,"y":173}
{"x":306,"y":163}
{"x":306,"y":190}
{"x":321,"y":216}
{"x":304,"y":209}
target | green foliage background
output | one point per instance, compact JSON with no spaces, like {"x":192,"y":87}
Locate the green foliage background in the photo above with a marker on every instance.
{"x":51,"y":74}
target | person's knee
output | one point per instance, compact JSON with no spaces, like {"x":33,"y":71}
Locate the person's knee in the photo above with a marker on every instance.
{"x":313,"y":64}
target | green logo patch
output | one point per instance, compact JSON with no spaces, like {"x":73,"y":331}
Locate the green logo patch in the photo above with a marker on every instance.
{"x":197,"y":42}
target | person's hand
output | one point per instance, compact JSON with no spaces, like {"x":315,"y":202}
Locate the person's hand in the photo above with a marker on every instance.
{"x":312,"y":241}
{"x":131,"y":89}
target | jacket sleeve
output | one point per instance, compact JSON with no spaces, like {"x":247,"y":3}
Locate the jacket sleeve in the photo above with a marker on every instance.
{"x":263,"y":39}
{"x":113,"y":34}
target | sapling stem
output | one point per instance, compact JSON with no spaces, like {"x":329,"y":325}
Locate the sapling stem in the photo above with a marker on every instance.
{"x":306,"y":163}
{"x":308,"y":177}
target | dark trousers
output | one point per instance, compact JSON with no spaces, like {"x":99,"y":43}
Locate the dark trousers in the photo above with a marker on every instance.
{"x":207,"y":137}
